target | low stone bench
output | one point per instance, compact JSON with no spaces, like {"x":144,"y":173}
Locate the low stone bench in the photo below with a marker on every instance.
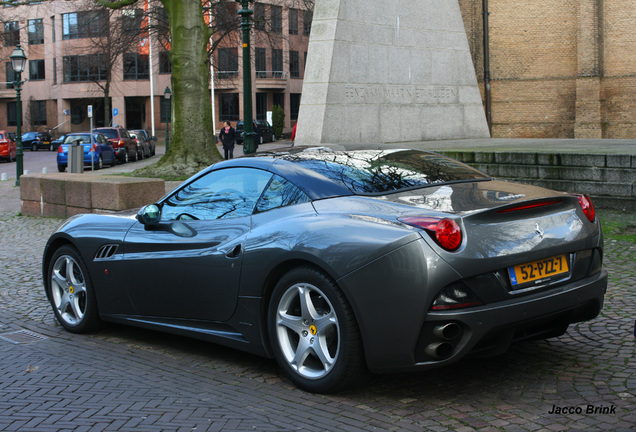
{"x":65,"y":194}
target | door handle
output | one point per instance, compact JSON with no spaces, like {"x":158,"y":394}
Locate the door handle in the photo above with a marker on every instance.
{"x":234,"y":252}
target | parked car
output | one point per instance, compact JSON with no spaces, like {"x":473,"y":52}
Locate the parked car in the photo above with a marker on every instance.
{"x":36,"y":140}
{"x":264,"y":132}
{"x":57,"y":142}
{"x":336,"y":263}
{"x":125,"y":147}
{"x":143,"y":148}
{"x":152,"y":140}
{"x":97,"y":151}
{"x":8,"y":148}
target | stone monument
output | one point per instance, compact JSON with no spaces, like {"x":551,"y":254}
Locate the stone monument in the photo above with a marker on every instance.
{"x":389,"y":71}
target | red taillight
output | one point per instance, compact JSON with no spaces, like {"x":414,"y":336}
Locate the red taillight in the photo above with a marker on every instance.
{"x":120,"y":143}
{"x":445,"y":231}
{"x":529,"y":206}
{"x":587,"y":207}
{"x":60,"y":149}
{"x":94,"y":148}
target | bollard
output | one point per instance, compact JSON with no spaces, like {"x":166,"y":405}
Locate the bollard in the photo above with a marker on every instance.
{"x":25,"y":172}
{"x":76,"y":157}
{"x":4,"y":176}
{"x":45,"y":170}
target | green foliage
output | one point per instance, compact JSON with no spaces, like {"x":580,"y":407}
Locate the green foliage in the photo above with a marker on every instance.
{"x":278,"y":120}
{"x":618,"y":225}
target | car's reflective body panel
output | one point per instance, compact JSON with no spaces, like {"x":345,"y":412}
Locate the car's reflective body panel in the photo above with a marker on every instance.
{"x":213,"y":279}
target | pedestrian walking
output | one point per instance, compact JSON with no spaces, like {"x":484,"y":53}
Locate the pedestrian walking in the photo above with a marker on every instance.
{"x":294,"y":133}
{"x":227,"y":137}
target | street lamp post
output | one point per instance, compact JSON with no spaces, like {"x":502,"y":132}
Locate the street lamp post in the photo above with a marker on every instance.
{"x":166,"y":96}
{"x":248,"y":121}
{"x":18,"y":61}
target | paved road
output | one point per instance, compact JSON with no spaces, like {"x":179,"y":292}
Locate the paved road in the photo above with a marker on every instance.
{"x":128,"y":379}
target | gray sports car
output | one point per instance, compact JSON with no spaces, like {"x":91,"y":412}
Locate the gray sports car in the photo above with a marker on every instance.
{"x":337,"y":264}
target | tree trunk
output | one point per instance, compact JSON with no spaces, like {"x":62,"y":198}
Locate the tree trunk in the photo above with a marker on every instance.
{"x":192,"y":146}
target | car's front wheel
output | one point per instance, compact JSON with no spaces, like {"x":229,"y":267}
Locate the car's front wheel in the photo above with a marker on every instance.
{"x":34,"y":147}
{"x":314,"y":334}
{"x":71,"y":292}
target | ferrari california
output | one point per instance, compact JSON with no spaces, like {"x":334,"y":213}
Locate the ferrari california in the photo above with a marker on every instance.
{"x":337,"y":264}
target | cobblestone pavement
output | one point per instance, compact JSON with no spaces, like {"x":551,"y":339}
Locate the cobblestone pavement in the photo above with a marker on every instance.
{"x":129,"y":379}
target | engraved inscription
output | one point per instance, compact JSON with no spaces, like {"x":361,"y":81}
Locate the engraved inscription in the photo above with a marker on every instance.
{"x":407,"y":95}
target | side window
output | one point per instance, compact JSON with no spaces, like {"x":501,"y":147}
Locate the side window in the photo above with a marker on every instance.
{"x":280,"y":193}
{"x":220,"y":194}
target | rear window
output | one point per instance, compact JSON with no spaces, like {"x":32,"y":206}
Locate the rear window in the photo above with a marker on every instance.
{"x":373,"y":171}
{"x":108,"y":133}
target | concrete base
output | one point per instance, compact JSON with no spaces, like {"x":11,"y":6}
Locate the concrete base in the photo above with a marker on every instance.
{"x":64,"y":194}
{"x":390,"y":71}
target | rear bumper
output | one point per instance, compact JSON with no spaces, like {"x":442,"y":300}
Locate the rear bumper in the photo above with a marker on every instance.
{"x":490,"y":329}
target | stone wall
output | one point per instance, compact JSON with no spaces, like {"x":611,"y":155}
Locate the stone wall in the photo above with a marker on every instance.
{"x":559,"y":68}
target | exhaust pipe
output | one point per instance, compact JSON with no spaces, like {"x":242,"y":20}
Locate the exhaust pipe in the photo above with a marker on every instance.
{"x":447,"y":331}
{"x":439,"y":350}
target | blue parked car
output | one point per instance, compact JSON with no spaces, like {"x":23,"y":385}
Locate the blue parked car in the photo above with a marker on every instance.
{"x":97,"y":151}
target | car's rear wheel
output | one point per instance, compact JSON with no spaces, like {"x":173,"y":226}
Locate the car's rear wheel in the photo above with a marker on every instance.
{"x":61,"y":168}
{"x":71,"y":292}
{"x":313,"y":332}
{"x":34,"y":147}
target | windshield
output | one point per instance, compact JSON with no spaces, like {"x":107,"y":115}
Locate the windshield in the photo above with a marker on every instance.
{"x":374,"y":171}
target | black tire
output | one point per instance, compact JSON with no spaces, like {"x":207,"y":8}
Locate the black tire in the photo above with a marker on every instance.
{"x":100,"y":163}
{"x":34,"y":147}
{"x":71,"y":292}
{"x":332,"y":331}
{"x":135,"y":156}
{"x":61,"y":168}
{"x":51,"y":147}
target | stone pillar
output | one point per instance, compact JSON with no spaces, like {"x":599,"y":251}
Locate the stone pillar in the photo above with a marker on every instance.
{"x":588,"y":116}
{"x":389,"y":71}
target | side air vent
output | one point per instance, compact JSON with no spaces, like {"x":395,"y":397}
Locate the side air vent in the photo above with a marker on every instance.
{"x":106,"y":251}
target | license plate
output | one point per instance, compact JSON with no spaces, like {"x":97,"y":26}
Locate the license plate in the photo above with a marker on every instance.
{"x":536,"y":271}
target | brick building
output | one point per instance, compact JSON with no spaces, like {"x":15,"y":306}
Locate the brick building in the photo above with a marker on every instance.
{"x":60,"y":38}
{"x":558,"y":68}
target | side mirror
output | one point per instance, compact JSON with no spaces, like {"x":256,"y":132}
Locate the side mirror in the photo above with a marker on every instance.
{"x":149,"y":215}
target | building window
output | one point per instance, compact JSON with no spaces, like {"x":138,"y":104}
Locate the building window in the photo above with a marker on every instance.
{"x":36,"y":32}
{"x":131,"y":20}
{"x":53,"y":28}
{"x":260,"y":62}
{"x":83,"y":68}
{"x":136,"y":66}
{"x":36,"y":70}
{"x":293,"y":21}
{"x":228,"y":63}
{"x":86,"y":24}
{"x":294,"y":105}
{"x":277,"y":63}
{"x":308,"y":16}
{"x":261,"y":106}
{"x":11,"y":33}
{"x":12,"y":119}
{"x":165,"y":106}
{"x":277,"y":18}
{"x":279,"y":99}
{"x":9,"y":74}
{"x":294,"y":64}
{"x":38,"y":113}
{"x":165,"y":67}
{"x":259,"y":16}
{"x":54,"y":70}
{"x":229,"y":103}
